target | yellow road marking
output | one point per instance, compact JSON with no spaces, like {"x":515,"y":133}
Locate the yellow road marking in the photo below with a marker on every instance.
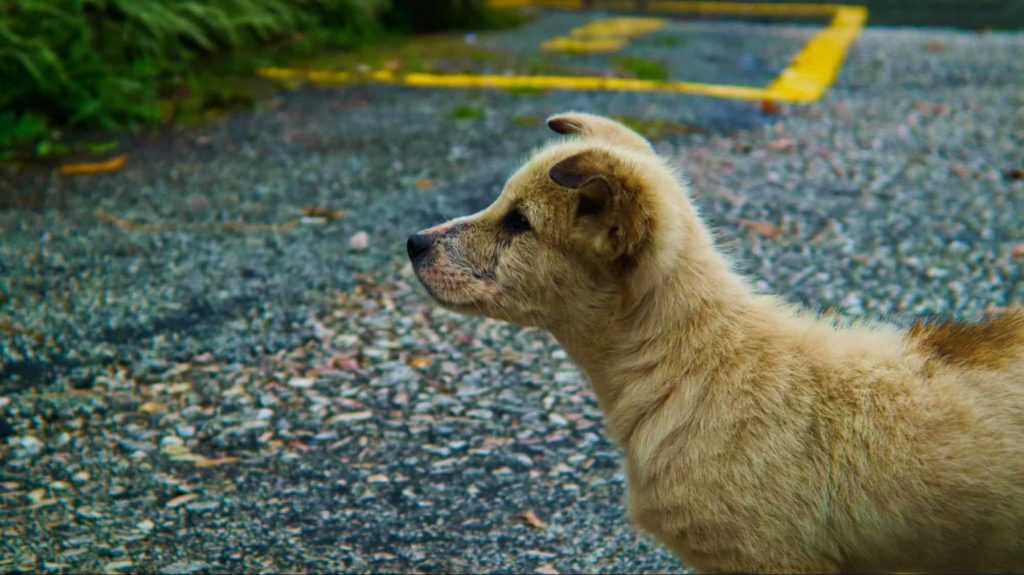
{"x":605,"y":35}
{"x":806,"y":79}
{"x":619,"y":27}
{"x":587,"y":45}
{"x":814,"y":68}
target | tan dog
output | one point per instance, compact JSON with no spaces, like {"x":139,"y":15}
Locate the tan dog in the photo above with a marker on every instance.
{"x":757,"y":438}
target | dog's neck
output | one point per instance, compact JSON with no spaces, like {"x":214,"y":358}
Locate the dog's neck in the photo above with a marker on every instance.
{"x":682,"y":323}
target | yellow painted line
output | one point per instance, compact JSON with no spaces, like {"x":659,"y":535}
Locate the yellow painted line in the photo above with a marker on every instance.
{"x":814,"y":68}
{"x":514,"y":82}
{"x":587,"y":45}
{"x":605,"y":35}
{"x":806,"y":79}
{"x":619,"y":27}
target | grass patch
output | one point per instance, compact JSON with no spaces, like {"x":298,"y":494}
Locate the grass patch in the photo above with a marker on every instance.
{"x":126,"y":64}
{"x":643,"y":68}
{"x":466,"y":112}
{"x":524,"y":121}
{"x":658,"y":128}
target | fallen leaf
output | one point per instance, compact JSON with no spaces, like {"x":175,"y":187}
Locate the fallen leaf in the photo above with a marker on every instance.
{"x":936,"y":47}
{"x":322,"y":212}
{"x":1014,"y":174}
{"x":110,"y":165}
{"x":151,"y":407}
{"x":181,"y":500}
{"x":782,"y":144}
{"x":763,"y":228}
{"x":419,"y":362}
{"x":1018,"y":251}
{"x":532,"y":520}
{"x":959,"y":170}
{"x":424,"y":183}
{"x":770,"y":107}
{"x":204,"y":462}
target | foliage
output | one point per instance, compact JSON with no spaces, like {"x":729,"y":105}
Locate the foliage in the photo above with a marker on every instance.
{"x":644,"y":68}
{"x":434,"y":15}
{"x":122,"y":63}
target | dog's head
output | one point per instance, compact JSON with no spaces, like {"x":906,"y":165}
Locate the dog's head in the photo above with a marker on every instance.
{"x":583,"y":222}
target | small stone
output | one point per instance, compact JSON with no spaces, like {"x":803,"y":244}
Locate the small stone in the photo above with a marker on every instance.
{"x":378,"y":478}
{"x":359,"y":241}
{"x":350,"y":417}
{"x":485,"y":414}
{"x":184,"y":568}
{"x":115,"y":566}
{"x":557,"y":420}
{"x":81,"y":477}
{"x":181,"y":500}
{"x":186,"y":431}
{"x":301,"y":382}
{"x":27,"y":445}
{"x":566,"y":377}
{"x":547,"y":569}
{"x":203,"y":506}
{"x":171,"y":441}
{"x":88,"y":513}
{"x":145,"y":525}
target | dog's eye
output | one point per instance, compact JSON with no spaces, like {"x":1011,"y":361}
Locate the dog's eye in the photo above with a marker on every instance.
{"x":515,"y":222}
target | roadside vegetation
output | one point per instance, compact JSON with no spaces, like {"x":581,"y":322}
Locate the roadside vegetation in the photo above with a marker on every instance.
{"x":90,"y":65}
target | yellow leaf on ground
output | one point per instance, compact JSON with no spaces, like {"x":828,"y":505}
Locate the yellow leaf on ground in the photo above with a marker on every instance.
{"x":151,"y":407}
{"x":763,"y":228}
{"x":110,"y":165}
{"x":419,"y":362}
{"x":424,"y":183}
{"x":205,"y":462}
{"x":532,"y":520}
{"x":181,"y":500}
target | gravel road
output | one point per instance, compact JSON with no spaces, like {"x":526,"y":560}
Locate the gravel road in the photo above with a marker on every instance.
{"x":207,"y":367}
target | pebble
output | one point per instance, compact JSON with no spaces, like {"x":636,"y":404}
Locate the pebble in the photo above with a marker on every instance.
{"x":184,"y":568}
{"x":114,"y":566}
{"x":171,"y":441}
{"x":203,"y":506}
{"x":301,"y":382}
{"x":484,"y":414}
{"x":359,"y":241}
{"x":27,"y":445}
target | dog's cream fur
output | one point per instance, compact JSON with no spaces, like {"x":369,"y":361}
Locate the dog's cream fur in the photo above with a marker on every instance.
{"x":757,"y":437}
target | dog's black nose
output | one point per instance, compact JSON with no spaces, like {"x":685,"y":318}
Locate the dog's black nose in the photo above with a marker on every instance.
{"x":418,"y":246}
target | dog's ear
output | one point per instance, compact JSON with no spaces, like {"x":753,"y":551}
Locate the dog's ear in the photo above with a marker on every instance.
{"x":598,"y":127}
{"x":611,"y":213}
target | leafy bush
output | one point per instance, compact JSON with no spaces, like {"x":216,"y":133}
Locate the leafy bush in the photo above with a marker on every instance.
{"x":106,"y":63}
{"x":434,"y":15}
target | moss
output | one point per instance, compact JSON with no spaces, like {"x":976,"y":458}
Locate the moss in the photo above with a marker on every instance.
{"x":658,"y":128}
{"x":643,"y":68}
{"x":466,"y":112}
